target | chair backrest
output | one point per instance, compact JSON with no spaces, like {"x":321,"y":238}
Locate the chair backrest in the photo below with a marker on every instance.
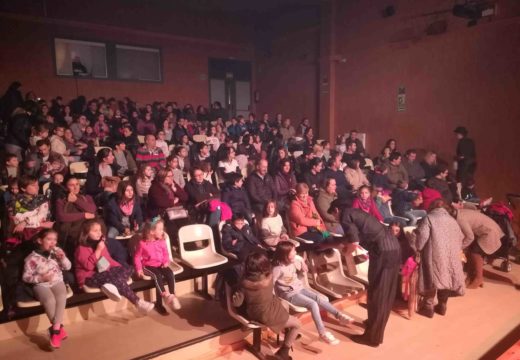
{"x":297,"y":153}
{"x":97,"y":148}
{"x":45,"y":188}
{"x":79,"y":167}
{"x":369,"y":163}
{"x":199,"y":138}
{"x":193,"y":233}
{"x":140,"y":138}
{"x":242,"y":161}
{"x":168,"y":245}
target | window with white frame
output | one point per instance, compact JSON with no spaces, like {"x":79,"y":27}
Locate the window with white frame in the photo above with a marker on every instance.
{"x":80,"y":58}
{"x":138,"y":63}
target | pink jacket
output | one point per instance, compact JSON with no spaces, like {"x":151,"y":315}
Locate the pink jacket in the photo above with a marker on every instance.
{"x":303,"y":215}
{"x":151,"y":253}
{"x":86,"y":262}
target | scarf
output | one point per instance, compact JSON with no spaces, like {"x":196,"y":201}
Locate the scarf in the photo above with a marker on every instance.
{"x":365,"y":205}
{"x":127,"y":207}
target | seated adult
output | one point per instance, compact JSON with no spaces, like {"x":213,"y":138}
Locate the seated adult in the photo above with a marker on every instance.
{"x":439,"y":240}
{"x":161,"y":195}
{"x":202,"y":155}
{"x":382,"y":198}
{"x":396,"y":170}
{"x":314,"y":177}
{"x":45,"y":163}
{"x":284,"y":184}
{"x":236,"y":197}
{"x":260,"y":187}
{"x":72,"y":210}
{"x":360,"y":149}
{"x":439,"y":182}
{"x":123,"y":214}
{"x":124,"y":159}
{"x":429,"y":164}
{"x":182,"y":155}
{"x":304,"y":219}
{"x":365,"y":202}
{"x":355,"y":176}
{"x":325,"y":198}
{"x":378,"y":177}
{"x":228,"y":165}
{"x":130,"y":139}
{"x":238,"y":238}
{"x":150,"y":154}
{"x":415,"y":171}
{"x":343,"y":188}
{"x":302,"y":163}
{"x":351,"y":154}
{"x":103,"y":166}
{"x":200,"y":192}
{"x":383,"y":157}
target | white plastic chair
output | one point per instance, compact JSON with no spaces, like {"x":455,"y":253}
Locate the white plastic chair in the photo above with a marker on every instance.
{"x":200,"y":258}
{"x":303,"y":277}
{"x":140,"y":138}
{"x":328,"y":276}
{"x":79,"y":167}
{"x":45,"y":188}
{"x":297,"y":154}
{"x":176,"y":268}
{"x":34,"y":302}
{"x":97,"y":148}
{"x":199,"y":138}
{"x":369,"y":163}
{"x":256,"y":327}
{"x":242,"y":161}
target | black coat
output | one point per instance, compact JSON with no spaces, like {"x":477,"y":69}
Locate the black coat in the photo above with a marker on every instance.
{"x":260,"y":190}
{"x":114,"y":215}
{"x":237,"y":199}
{"x":244,"y":237}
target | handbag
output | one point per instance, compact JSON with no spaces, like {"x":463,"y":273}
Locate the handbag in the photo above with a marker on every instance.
{"x":175,"y":213}
{"x":102,"y":264}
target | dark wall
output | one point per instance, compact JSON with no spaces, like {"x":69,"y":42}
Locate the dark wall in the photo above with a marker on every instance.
{"x":466,"y":76}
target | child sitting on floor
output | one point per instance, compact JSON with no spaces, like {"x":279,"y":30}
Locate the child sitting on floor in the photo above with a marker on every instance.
{"x":151,"y":259}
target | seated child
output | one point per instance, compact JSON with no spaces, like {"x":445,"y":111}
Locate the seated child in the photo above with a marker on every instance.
{"x":151,"y":259}
{"x":95,"y":267}
{"x":43,"y":268}
{"x":287,"y":273}
{"x":261,"y":305}
{"x":237,"y":238}
{"x":272,"y":229}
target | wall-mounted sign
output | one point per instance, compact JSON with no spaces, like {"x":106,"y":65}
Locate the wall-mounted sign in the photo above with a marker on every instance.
{"x":401,"y":99}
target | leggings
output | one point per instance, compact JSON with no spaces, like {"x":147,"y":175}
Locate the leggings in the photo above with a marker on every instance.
{"x":53,"y":298}
{"x":159,"y":275}
{"x":117,"y":276}
{"x":292,"y":326}
{"x":313,"y":302}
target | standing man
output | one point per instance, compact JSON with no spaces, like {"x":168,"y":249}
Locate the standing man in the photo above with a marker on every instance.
{"x":466,"y":155}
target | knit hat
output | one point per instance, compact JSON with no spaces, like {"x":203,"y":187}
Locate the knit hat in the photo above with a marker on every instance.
{"x":429,"y":196}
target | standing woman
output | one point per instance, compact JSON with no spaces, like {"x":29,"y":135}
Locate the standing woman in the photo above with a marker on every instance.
{"x":439,"y":240}
{"x":383,"y":271}
{"x":482,"y":237}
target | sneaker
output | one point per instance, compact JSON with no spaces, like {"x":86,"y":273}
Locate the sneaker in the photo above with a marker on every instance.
{"x":111,"y":291}
{"x":174,"y":302}
{"x":329,"y":338}
{"x":145,"y":307}
{"x":63,"y":333}
{"x":344,"y":319}
{"x":55,"y":339}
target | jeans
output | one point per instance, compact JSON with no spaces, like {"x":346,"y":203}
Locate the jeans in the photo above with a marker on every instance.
{"x":313,"y":302}
{"x":413,"y":216}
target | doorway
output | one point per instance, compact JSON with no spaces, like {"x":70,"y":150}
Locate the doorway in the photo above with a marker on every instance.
{"x":230,"y":84}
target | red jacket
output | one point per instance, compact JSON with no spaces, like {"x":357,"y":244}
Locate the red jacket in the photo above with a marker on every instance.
{"x":85,"y":264}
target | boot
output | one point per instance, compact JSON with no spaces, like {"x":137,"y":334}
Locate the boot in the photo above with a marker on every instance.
{"x":283,"y":353}
{"x":442,"y":305}
{"x":478,"y":269}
